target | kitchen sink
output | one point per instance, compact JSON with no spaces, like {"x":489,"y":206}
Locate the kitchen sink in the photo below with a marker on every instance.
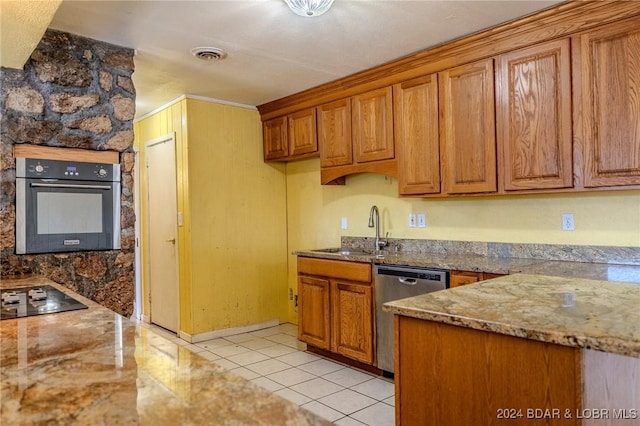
{"x":344,"y":252}
{"x":339,"y":251}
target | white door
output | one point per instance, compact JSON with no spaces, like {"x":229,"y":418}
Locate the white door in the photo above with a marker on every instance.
{"x":162,"y":219}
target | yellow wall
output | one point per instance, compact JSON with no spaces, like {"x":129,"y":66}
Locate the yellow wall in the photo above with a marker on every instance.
{"x":245,"y":217}
{"x":238,"y":217}
{"x":232,"y":243}
{"x":314,"y":214}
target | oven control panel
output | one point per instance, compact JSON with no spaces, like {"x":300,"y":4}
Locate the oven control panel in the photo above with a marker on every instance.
{"x":71,"y":170}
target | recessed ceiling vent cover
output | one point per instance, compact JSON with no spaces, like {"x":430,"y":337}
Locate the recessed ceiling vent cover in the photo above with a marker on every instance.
{"x":209,"y":53}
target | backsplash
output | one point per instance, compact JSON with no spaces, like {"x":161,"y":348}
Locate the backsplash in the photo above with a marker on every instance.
{"x":73,"y":92}
{"x":573,"y":253}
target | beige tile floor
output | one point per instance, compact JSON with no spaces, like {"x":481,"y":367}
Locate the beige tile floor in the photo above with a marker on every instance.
{"x":269,"y":358}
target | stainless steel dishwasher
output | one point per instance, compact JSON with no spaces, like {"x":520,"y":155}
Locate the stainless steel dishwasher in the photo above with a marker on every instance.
{"x":399,"y":282}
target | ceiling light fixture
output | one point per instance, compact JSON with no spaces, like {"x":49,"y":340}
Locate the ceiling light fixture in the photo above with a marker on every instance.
{"x":309,"y":8}
{"x":209,"y":53}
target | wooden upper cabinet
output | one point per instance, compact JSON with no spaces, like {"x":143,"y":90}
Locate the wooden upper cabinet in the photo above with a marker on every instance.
{"x":291,"y":136}
{"x":533,"y":93}
{"x":302,"y":133}
{"x":275,"y":140}
{"x":607,"y":98}
{"x":372,"y":121}
{"x":467,"y":128}
{"x":334,"y":133}
{"x":417,"y":140}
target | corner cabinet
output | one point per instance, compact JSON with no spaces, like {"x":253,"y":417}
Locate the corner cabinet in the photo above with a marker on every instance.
{"x":290,"y":137}
{"x":458,"y":278}
{"x":607,"y":98}
{"x":468,"y":138}
{"x":533,"y":87}
{"x":335,"y":310}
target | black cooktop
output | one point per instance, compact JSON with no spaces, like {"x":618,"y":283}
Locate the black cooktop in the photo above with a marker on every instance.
{"x":36,"y":300}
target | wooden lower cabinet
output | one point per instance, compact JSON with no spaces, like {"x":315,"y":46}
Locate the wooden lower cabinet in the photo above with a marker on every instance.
{"x":458,"y":278}
{"x":449,"y":375}
{"x":352,"y":320}
{"x":335,"y":310}
{"x":313,"y":321}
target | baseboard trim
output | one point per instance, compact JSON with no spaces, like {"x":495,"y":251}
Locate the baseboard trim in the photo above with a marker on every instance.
{"x":201,"y":337}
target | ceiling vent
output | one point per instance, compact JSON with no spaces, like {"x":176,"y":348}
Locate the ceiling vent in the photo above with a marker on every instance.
{"x":209,"y":53}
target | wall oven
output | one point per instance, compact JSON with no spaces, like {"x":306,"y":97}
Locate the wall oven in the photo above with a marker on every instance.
{"x":64,"y":206}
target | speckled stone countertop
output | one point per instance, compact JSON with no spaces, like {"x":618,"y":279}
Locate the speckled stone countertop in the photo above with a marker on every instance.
{"x":491,"y":264}
{"x":581,"y":313}
{"x":93,"y":366}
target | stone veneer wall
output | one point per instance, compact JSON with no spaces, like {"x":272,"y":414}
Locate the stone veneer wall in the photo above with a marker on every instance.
{"x":72,"y":93}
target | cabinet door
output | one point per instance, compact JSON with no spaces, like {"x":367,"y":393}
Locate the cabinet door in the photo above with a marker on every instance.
{"x":372,"y":122}
{"x":458,"y":278}
{"x":352,"y":320}
{"x":534,"y":117}
{"x":302,"y":133}
{"x":607,"y":90}
{"x":334,"y":133}
{"x":275,"y":142}
{"x":417,"y":135}
{"x":468,"y":128}
{"x":313,"y":311}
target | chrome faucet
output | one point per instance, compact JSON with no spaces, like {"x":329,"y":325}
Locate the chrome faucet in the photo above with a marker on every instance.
{"x":374,"y":210}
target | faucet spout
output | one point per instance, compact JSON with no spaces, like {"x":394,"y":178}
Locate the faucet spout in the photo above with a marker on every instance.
{"x":375,"y":214}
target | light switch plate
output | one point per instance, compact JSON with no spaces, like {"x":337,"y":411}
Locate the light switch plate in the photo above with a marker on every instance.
{"x":422,"y":220}
{"x":412,"y":220}
{"x":343,"y":223}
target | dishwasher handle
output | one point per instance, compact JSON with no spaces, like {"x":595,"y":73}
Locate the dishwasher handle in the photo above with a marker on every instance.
{"x":408,"y":281}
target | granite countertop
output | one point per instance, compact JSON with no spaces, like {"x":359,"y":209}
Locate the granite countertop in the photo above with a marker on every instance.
{"x":491,"y":264}
{"x":604,"y":316}
{"x":93,"y":366}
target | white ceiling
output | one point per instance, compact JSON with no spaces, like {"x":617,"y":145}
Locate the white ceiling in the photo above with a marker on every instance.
{"x":271,"y":51}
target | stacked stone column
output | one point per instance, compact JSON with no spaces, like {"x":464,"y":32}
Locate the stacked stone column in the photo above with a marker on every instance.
{"x":73,"y":92}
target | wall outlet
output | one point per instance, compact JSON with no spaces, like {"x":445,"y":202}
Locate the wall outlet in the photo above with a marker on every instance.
{"x":343,"y":223}
{"x":412,"y":220}
{"x":567,"y":222}
{"x":422,"y":220}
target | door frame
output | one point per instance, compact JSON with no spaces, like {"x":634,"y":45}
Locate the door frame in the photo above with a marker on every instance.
{"x":137,"y":302}
{"x":170,"y":137}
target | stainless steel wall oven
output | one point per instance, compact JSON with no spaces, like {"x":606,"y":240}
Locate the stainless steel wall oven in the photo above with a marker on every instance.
{"x":64,"y":206}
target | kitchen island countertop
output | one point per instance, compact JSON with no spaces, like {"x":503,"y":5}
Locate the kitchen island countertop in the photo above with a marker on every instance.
{"x":93,"y":366}
{"x":581,"y":313}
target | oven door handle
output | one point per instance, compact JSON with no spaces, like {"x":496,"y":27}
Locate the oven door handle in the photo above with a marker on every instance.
{"x":68,"y":185}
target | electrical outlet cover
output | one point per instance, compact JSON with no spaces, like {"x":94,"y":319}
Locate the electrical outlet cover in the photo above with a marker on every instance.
{"x":567,"y":222}
{"x":422,"y":220}
{"x":412,"y":220}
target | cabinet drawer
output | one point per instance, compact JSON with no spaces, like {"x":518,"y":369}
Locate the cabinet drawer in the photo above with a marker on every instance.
{"x":352,"y":271}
